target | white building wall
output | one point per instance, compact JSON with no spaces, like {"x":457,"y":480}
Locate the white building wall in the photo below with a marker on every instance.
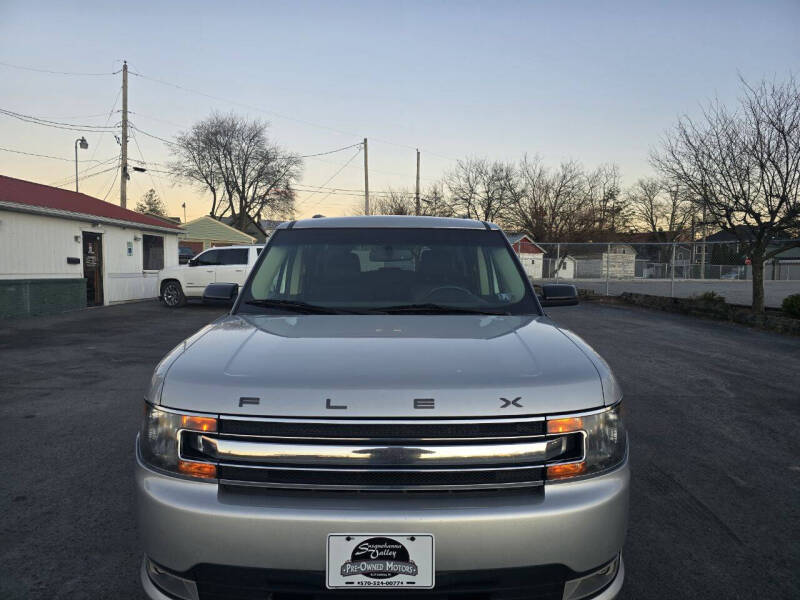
{"x":532,"y":263}
{"x":567,"y":270}
{"x":37,"y":247}
{"x":124,"y":277}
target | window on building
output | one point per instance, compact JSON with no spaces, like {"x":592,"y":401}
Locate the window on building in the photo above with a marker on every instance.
{"x":153,"y":252}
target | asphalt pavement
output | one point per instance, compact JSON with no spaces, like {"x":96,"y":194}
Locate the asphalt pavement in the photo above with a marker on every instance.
{"x":712,"y":411}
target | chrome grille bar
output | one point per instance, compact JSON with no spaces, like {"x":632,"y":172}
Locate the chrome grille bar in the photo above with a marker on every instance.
{"x":420,"y":455}
{"x":363,"y":455}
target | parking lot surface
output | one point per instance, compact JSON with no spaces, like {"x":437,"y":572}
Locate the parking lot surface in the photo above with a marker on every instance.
{"x":712,"y":412}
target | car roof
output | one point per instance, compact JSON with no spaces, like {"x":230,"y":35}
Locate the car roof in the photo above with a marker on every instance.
{"x":389,"y":221}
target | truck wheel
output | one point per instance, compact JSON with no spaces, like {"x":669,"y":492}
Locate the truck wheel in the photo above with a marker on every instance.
{"x":173,"y":295}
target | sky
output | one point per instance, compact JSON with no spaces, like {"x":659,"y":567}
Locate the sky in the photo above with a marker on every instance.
{"x":594,"y":81}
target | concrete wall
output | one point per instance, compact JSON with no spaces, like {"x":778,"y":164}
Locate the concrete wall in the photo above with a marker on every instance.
{"x":34,"y":247}
{"x":617,"y":266}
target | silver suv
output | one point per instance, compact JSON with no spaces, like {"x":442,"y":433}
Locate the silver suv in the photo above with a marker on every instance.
{"x":386,"y":411}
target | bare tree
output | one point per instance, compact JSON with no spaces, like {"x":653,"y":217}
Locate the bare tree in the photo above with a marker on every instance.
{"x":607,"y":210}
{"x":743,"y":167}
{"x":551,"y":204}
{"x":248,"y":176}
{"x":434,"y":202}
{"x":483,"y":190}
{"x":151,"y":203}
{"x":393,"y":202}
{"x":663,"y":207}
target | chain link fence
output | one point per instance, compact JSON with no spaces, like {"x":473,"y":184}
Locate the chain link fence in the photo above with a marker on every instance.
{"x":679,"y":269}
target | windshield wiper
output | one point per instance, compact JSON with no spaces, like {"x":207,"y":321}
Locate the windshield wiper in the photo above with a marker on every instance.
{"x":433,"y":308}
{"x":296,"y":306}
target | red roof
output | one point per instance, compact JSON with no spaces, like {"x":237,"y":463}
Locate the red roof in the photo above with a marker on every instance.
{"x":28,"y":193}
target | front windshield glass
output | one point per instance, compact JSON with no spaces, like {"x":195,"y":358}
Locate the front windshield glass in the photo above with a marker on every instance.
{"x":371,"y":270}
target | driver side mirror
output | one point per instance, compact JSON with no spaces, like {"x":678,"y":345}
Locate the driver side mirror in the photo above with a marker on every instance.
{"x":221,"y":292}
{"x":558,"y":294}
{"x":193,"y":262}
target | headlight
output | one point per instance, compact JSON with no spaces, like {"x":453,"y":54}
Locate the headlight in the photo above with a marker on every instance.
{"x":159,"y":442}
{"x":605,"y":442}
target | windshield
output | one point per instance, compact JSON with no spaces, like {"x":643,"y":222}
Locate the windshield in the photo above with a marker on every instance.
{"x":398,"y":270}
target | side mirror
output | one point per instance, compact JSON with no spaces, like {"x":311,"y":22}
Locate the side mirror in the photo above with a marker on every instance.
{"x":221,"y":292}
{"x":192,"y":262}
{"x":559,"y":294}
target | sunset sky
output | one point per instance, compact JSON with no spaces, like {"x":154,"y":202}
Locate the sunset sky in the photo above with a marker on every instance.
{"x":596,"y":81}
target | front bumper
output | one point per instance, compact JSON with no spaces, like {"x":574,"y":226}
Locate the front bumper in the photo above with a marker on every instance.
{"x":577,"y":526}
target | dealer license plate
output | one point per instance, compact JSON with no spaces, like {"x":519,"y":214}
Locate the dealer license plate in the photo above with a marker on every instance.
{"x":380,"y":560}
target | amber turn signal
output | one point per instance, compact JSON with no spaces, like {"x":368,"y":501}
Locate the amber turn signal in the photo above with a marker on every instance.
{"x":565,"y":425}
{"x":198,"y":423}
{"x":566,"y":470}
{"x":197,"y":469}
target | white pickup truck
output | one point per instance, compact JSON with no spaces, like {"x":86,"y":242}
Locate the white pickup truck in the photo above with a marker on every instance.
{"x":227,"y":264}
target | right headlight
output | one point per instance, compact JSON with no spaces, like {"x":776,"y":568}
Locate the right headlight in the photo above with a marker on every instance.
{"x":159,"y":442}
{"x":605,"y":442}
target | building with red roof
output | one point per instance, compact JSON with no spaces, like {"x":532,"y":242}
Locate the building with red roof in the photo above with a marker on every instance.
{"x":531,"y":254}
{"x":61,"y":250}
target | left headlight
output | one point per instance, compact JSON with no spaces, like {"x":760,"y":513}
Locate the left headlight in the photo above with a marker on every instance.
{"x":605,"y":442}
{"x":160,"y":437}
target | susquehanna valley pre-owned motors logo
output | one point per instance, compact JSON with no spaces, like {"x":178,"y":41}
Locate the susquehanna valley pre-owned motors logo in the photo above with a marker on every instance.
{"x":379,"y":558}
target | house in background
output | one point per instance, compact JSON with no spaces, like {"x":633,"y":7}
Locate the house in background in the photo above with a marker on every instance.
{"x":596,"y":262}
{"x":563,"y":268}
{"x":259,"y":232}
{"x":531,"y":254}
{"x":207,"y":232}
{"x":61,"y":250}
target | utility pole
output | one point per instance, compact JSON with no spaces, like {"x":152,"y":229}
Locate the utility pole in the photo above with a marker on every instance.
{"x":123,"y":182}
{"x":703,"y":249}
{"x":416,"y":205}
{"x":366,"y":179}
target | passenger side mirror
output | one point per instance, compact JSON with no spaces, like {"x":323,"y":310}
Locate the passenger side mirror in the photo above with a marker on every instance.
{"x":221,"y":292}
{"x":559,"y":294}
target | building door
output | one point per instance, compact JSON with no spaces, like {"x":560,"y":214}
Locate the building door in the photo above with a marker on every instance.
{"x":93,"y":268}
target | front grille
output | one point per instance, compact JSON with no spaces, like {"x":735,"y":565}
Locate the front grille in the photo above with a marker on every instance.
{"x":385,"y":455}
{"x":379,"y":431}
{"x":215,"y":582}
{"x":385,"y":479}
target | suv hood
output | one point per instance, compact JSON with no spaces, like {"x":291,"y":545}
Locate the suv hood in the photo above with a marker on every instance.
{"x":376,"y":366}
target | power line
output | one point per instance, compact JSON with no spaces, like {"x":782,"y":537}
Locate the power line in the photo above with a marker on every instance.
{"x":48,"y":156}
{"x":237,"y":103}
{"x":153,"y":181}
{"x":56,"y":124}
{"x":132,"y":126}
{"x":330,"y":151}
{"x":65,"y":181}
{"x":113,"y":181}
{"x":34,"y":69}
{"x":351,"y":159}
{"x":72,"y":179}
{"x":277,"y":114}
{"x":108,"y":118}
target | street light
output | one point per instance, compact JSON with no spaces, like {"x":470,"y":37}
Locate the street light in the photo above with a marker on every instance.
{"x":84,"y":145}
